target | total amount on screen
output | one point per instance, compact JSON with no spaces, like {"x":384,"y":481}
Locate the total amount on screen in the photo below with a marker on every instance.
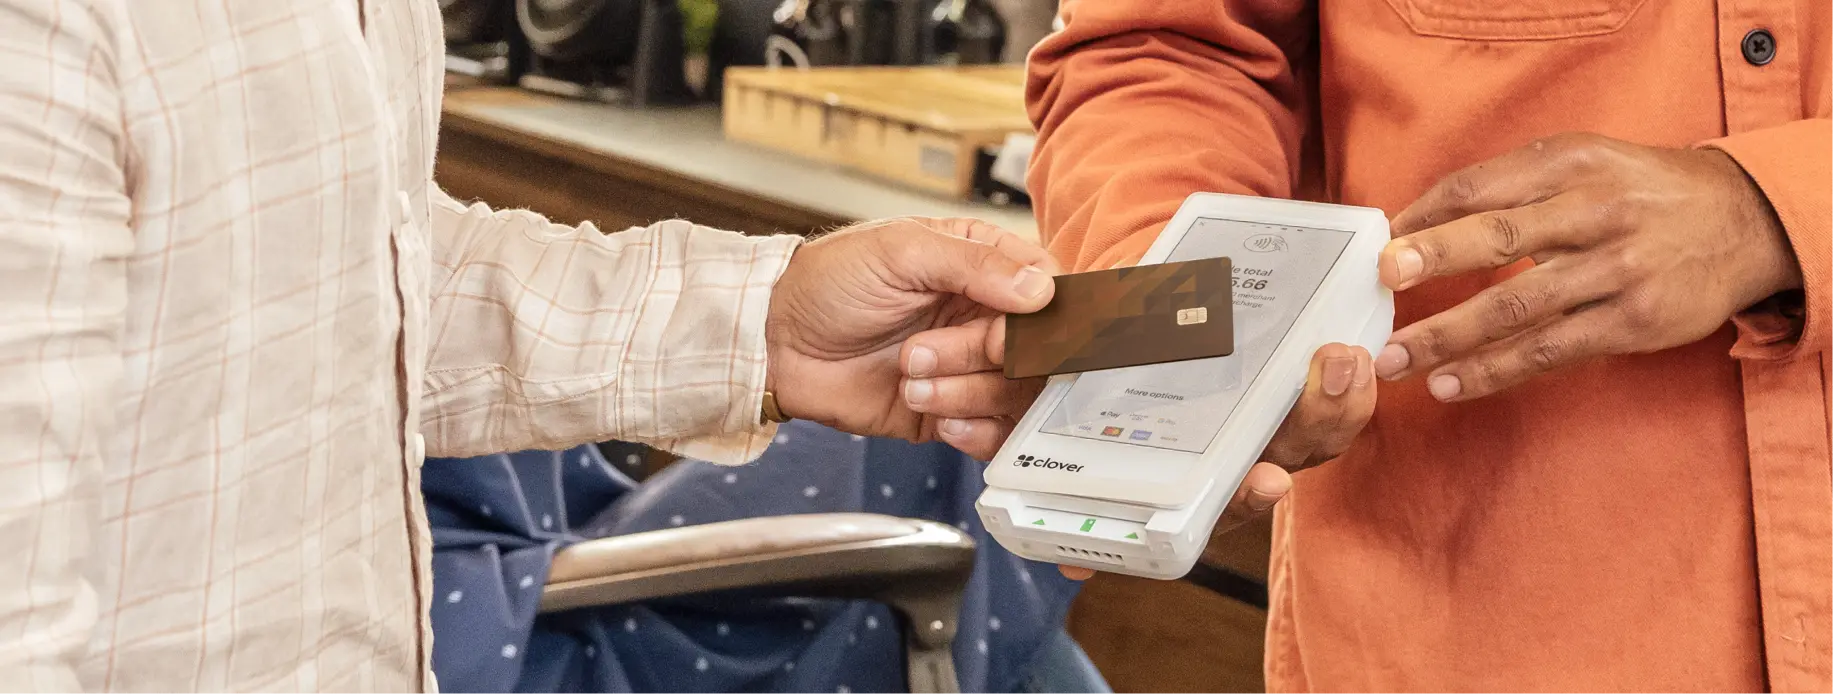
{"x":1244,"y":283}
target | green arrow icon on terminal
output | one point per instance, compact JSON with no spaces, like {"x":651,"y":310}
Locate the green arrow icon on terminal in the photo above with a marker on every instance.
{"x":1039,"y":521}
{"x":1132,"y":536}
{"x":1088,"y":524}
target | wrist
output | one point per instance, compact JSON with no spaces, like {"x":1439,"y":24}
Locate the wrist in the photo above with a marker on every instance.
{"x":1773,"y":266}
{"x":1778,"y":269}
{"x":770,"y":405}
{"x":777,"y":333}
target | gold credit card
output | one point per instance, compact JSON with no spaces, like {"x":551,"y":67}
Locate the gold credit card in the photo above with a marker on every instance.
{"x":1130,"y":316}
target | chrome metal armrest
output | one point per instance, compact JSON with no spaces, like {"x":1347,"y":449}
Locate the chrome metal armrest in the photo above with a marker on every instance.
{"x":918,"y":568}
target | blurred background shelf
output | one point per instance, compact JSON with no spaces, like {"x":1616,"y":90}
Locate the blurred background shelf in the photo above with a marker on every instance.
{"x":924,"y":127}
{"x":620,"y":167}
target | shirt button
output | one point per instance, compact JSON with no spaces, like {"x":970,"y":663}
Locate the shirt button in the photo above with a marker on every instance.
{"x":1759,"y":47}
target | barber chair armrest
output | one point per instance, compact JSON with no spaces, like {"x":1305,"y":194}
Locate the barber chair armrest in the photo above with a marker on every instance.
{"x":916,"y":567}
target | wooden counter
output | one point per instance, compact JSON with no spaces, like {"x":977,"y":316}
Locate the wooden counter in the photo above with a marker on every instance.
{"x":618,"y":167}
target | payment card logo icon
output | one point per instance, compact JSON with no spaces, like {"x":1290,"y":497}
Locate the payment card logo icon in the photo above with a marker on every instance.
{"x":1141,"y":435}
{"x":1111,"y":431}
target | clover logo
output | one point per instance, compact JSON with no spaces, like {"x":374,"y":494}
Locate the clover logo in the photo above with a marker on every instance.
{"x":1045,"y":463}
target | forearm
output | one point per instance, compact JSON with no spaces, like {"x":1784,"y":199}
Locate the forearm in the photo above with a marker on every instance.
{"x":546,"y":336}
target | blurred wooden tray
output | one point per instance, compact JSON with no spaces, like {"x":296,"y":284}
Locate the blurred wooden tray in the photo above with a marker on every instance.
{"x":920,"y":126}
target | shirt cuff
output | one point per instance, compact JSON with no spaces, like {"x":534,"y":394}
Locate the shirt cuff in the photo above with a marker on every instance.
{"x":743,"y":435}
{"x":1789,"y":163}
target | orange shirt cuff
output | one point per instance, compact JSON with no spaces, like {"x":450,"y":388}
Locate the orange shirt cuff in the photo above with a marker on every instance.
{"x":1789,"y":163}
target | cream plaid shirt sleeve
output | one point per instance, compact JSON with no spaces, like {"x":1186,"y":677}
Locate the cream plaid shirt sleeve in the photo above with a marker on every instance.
{"x":545,"y":336}
{"x":235,"y":312}
{"x":64,"y":238}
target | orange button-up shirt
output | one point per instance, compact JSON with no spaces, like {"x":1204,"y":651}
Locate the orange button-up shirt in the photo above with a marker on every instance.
{"x":1653,"y":522}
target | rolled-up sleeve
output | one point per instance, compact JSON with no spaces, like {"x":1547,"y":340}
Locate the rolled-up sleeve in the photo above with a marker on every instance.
{"x":546,"y":336}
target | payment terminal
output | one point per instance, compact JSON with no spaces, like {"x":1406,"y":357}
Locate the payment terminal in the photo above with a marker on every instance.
{"x":1127,"y":470}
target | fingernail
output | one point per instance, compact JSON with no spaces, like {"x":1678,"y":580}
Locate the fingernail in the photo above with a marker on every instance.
{"x":1365,"y":369}
{"x":922,"y":361}
{"x":953,"y":427}
{"x":1392,"y":360}
{"x":917,"y":392}
{"x":1444,"y":386}
{"x":1408,"y":263}
{"x":1260,"y":501}
{"x":1337,"y":373}
{"x":1031,"y":282}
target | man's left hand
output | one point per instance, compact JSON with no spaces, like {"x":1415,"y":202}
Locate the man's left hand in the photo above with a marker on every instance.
{"x":1636,"y":249}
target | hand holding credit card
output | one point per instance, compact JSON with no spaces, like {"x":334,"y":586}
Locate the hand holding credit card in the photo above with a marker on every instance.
{"x":1132,"y":316}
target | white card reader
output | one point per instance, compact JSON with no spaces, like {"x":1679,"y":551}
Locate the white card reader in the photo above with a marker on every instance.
{"x":1127,"y":470}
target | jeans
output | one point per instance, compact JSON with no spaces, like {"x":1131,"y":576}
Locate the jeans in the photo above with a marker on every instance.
{"x":1062,"y":668}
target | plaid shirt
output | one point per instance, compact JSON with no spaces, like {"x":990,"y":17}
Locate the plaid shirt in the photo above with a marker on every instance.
{"x":231,"y":304}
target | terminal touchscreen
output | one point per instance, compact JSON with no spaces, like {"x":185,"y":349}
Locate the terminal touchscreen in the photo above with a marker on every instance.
{"x":1180,"y":406}
{"x":1127,"y":469}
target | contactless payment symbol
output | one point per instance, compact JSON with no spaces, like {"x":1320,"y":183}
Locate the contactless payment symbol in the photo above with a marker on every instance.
{"x":1265,"y":243}
{"x":1141,"y":435}
{"x":1111,"y":431}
